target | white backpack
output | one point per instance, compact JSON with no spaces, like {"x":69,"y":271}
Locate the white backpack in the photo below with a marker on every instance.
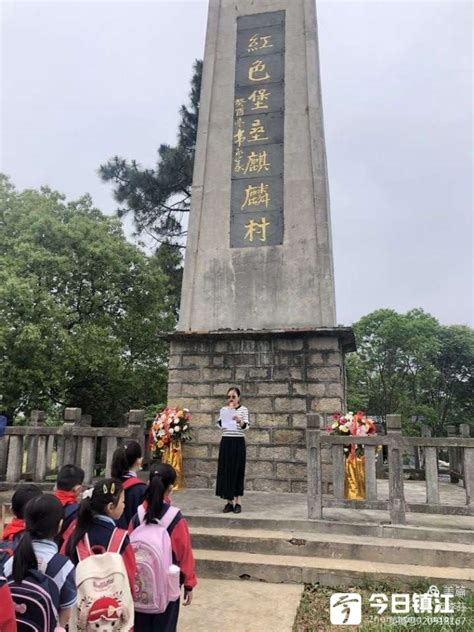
{"x":157,"y":580}
{"x":104,"y":598}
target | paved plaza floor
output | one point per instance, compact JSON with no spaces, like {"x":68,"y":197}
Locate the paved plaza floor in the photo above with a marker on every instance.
{"x":284,"y":506}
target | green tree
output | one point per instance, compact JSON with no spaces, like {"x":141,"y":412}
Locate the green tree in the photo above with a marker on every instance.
{"x":410,"y":364}
{"x":81,"y":309}
{"x":159,"y":199}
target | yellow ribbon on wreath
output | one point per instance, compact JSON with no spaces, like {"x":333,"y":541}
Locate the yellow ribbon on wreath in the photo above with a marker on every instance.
{"x":354,"y":483}
{"x":173,"y":455}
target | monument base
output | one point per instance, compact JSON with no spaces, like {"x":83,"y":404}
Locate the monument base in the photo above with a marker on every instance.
{"x":283,"y":375}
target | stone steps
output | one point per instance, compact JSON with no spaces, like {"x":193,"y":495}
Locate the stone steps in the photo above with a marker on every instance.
{"x":331,"y":552}
{"x":332,"y":527}
{"x":220,"y":564}
{"x":329,"y":545}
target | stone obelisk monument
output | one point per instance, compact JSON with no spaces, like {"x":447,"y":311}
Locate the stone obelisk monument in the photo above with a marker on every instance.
{"x":258,"y":304}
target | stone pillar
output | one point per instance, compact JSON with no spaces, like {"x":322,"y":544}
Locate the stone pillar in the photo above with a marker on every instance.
{"x":431,"y":471}
{"x":72,"y":417}
{"x":4,"y":441}
{"x":282,"y":376}
{"x":112,"y":444}
{"x":86,"y":450}
{"x":15,"y":459}
{"x":467,"y":464}
{"x":136,"y":426}
{"x":37,"y":418}
{"x":395,"y":470}
{"x":258,"y":300}
{"x":453,"y":460}
{"x":84,"y":422}
{"x":314,"y":468}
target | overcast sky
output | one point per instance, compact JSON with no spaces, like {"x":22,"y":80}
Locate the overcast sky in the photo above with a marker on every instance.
{"x":83,"y":81}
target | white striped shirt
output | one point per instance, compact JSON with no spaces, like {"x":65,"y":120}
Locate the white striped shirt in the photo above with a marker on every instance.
{"x":238,"y":432}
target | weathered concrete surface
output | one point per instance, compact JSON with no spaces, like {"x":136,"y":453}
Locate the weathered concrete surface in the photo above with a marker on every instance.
{"x":355,"y":547}
{"x":291,"y":509}
{"x":270,"y":287}
{"x":242,"y":607}
{"x":295,"y":569}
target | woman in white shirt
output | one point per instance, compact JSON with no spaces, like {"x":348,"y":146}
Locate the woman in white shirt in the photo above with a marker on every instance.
{"x":232,"y":455}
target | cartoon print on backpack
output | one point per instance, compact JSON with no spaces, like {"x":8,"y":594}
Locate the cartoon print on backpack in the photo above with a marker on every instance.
{"x":105,"y":615}
{"x":104,"y":587}
{"x":157,"y":579}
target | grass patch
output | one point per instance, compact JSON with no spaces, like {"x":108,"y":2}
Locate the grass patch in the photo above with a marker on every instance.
{"x":313,"y":611}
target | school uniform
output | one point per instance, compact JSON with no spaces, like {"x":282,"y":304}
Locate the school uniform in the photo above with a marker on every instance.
{"x":135,"y":490}
{"x":65,"y":579}
{"x":7,"y":608}
{"x":12,"y":532}
{"x":100,"y":534}
{"x":183,"y":557}
{"x":70,"y":505}
{"x":232,"y":458}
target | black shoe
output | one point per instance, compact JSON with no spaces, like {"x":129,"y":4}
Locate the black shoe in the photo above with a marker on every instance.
{"x":228,"y":508}
{"x":238,"y":509}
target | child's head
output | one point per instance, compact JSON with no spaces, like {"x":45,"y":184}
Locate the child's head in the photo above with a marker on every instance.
{"x":43,"y":517}
{"x":166,"y":473}
{"x":23,"y":494}
{"x":162,"y":479}
{"x":107,"y":499}
{"x":125,"y":458}
{"x":70,"y":479}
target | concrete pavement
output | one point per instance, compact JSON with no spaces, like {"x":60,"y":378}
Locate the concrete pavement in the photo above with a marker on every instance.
{"x":240,"y":606}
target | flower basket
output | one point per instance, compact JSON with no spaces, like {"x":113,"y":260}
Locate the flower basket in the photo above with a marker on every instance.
{"x":357,"y":425}
{"x":169,"y":431}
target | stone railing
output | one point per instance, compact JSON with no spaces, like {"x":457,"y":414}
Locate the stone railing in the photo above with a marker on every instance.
{"x":34,"y":452}
{"x":461,"y":451}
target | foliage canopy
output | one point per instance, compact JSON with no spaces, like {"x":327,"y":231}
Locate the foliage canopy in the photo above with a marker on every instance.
{"x":81,"y":309}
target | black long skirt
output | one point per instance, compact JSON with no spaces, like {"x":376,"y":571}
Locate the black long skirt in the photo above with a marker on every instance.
{"x":231,"y":468}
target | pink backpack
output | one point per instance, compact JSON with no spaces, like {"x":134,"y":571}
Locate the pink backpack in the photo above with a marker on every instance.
{"x":157,"y":579}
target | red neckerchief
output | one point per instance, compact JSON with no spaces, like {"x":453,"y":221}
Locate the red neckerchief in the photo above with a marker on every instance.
{"x":16,"y":525}
{"x":66,"y":498}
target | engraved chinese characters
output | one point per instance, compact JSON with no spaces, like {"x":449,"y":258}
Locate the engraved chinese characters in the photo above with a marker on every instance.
{"x":257,"y":149}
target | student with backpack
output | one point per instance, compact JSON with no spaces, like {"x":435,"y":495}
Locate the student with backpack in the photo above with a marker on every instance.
{"x":105,"y":562}
{"x":126,"y":463}
{"x":7,"y":608}
{"x":162,"y":544}
{"x":41,"y":580}
{"x":14,"y":529}
{"x":68,"y":489}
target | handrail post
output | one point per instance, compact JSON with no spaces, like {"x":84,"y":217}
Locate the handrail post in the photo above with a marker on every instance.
{"x":39,"y":463}
{"x":15,"y":458}
{"x":453,"y":460}
{"x":72,"y":417}
{"x":136,"y":426}
{"x":468,"y":465}
{"x":37,"y":418}
{"x":395,"y":470}
{"x":314,"y":471}
{"x":431,"y":471}
{"x":86,"y":449}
